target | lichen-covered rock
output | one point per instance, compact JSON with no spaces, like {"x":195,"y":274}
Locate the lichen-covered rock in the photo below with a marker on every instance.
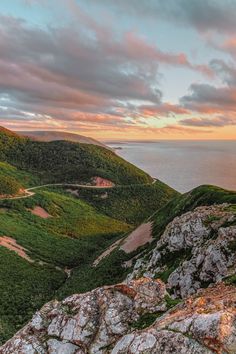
{"x":203,"y":324}
{"x":195,"y":250}
{"x":90,"y":322}
{"x":102,"y":322}
{"x":152,"y":341}
{"x":209,"y":263}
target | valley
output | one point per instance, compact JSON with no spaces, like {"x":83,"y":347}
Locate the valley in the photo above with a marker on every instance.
{"x":111,"y":228}
{"x":56,"y":229}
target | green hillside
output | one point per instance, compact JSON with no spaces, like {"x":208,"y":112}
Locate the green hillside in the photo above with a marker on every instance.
{"x":202,"y":195}
{"x":25,"y":178}
{"x":57,"y":235}
{"x":73,"y":236}
{"x":131,"y":204}
{"x":64,"y":161}
{"x":9,"y":185}
{"x":110,"y":269}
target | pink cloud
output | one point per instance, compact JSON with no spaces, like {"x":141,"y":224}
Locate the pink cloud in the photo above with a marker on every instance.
{"x":84,"y":74}
{"x":162,"y":109}
{"x":213,"y":121}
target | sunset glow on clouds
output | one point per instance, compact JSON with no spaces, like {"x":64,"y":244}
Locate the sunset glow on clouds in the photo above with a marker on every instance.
{"x":116,"y":69}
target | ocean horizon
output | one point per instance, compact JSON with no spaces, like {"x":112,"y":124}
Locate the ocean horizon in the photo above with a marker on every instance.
{"x":183,"y":164}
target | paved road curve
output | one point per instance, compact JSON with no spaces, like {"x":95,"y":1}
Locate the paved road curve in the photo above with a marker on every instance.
{"x":29,"y":192}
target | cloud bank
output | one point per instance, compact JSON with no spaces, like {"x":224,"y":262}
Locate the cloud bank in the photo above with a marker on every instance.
{"x":86,"y":75}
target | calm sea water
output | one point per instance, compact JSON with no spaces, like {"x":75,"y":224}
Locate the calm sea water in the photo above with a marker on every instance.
{"x":184,"y":165}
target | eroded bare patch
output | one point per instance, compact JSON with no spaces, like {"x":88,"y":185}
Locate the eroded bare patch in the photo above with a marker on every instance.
{"x":137,"y":238}
{"x":11,"y":244}
{"x":42,"y":213}
{"x":102,"y":182}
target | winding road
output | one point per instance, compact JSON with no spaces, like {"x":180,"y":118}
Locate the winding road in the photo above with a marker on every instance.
{"x":29,"y":192}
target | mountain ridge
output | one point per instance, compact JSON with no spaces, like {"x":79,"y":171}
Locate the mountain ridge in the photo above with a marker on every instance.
{"x":64,"y":161}
{"x":47,"y":136}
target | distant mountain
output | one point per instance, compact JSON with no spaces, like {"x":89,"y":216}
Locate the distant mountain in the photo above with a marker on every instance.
{"x":57,"y":135}
{"x":67,"y":161}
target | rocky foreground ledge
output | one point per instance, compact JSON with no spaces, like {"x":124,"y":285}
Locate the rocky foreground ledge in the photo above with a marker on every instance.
{"x":136,"y":318}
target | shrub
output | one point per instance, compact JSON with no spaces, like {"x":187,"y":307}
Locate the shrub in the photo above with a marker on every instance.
{"x":9,"y":186}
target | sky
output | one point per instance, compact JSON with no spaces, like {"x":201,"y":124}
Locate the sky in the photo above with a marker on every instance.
{"x":119,"y":69}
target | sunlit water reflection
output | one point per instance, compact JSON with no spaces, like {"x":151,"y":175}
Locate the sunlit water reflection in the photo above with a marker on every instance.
{"x":184,"y":164}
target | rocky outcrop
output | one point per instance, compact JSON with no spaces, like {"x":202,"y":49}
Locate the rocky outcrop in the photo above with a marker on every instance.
{"x":89,"y":323}
{"x":203,"y":324}
{"x":103,"y":320}
{"x":196,"y":249}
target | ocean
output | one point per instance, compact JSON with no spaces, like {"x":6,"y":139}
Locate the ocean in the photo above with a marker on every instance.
{"x":184,"y":165}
